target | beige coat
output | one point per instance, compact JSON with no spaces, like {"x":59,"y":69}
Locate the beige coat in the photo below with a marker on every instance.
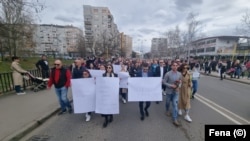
{"x":17,"y":76}
{"x":185,"y":91}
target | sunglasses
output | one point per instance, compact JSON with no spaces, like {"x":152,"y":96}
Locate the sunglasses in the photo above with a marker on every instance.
{"x":57,"y":64}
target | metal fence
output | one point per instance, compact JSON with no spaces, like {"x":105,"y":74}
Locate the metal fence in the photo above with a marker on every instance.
{"x":7,"y":84}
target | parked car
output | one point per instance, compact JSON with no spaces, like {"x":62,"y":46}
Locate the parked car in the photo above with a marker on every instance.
{"x":67,"y":57}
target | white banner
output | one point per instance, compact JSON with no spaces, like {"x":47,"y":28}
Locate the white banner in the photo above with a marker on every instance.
{"x":123,"y":79}
{"x":84,"y":97}
{"x":144,"y":89}
{"x":196,"y":75}
{"x":107,"y":95}
{"x":96,"y":73}
{"x":117,"y":68}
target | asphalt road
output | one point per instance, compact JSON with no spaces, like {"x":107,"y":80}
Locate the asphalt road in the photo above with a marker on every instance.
{"x":217,"y":102}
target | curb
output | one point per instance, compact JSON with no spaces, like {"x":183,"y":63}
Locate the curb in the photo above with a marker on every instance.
{"x":28,"y":128}
{"x":248,"y":83}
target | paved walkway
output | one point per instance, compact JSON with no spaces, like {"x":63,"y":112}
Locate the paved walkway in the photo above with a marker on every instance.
{"x":241,"y":80}
{"x":21,"y":114}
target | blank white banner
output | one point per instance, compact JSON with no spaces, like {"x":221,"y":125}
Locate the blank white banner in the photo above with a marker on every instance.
{"x":96,"y":73}
{"x":144,"y":89}
{"x":107,"y":95}
{"x":117,"y":68}
{"x":123,"y":79}
{"x":84,"y":97}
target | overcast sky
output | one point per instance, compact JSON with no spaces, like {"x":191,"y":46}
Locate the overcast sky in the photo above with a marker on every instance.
{"x":146,"y":19}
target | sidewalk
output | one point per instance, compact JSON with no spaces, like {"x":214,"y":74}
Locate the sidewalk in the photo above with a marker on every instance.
{"x":241,"y":80}
{"x":20,"y":114}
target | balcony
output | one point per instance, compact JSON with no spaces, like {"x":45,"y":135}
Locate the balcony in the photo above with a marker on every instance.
{"x":88,"y":31}
{"x":88,"y":22}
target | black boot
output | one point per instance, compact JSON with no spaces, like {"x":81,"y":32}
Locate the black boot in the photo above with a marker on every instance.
{"x":111,"y":118}
{"x":105,"y":124}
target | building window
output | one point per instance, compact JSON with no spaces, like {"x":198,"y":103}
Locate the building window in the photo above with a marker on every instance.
{"x":210,"y":49}
{"x":104,"y":11}
{"x":95,"y":10}
{"x":200,"y":50}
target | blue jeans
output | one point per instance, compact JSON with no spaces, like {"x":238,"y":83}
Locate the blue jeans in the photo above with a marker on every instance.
{"x":195,"y":86}
{"x":17,"y":88}
{"x":63,"y":98}
{"x":174,"y":97}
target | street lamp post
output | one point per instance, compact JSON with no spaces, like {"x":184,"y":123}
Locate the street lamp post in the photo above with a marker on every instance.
{"x":141,"y":48}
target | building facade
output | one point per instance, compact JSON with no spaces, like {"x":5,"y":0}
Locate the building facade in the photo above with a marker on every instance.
{"x":101,"y":33}
{"x":218,"y":46}
{"x":57,"y":40}
{"x":126,"y":46}
{"x":159,"y":47}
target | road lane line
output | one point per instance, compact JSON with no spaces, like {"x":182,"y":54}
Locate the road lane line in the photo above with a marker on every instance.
{"x":216,"y":107}
{"x":241,"y":118}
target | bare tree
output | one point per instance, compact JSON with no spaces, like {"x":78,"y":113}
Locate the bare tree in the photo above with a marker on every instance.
{"x":81,"y":45}
{"x":173,"y":41}
{"x":107,"y":44}
{"x":244,"y":28}
{"x":194,"y":26}
{"x":15,"y":18}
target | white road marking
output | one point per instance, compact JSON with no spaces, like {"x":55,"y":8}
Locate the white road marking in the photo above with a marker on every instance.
{"x":225,"y":112}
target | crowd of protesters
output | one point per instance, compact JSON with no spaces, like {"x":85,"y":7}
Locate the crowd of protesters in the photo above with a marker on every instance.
{"x":179,"y":84}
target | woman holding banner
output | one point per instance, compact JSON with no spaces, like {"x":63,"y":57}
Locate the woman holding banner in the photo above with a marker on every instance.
{"x":108,"y":73}
{"x":123,"y":75}
{"x":86,"y":74}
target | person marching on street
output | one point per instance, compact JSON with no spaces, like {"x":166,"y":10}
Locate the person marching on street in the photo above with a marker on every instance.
{"x":185,"y":90}
{"x":108,"y":73}
{"x":195,"y":77}
{"x":172,"y":82}
{"x":86,"y":74}
{"x":144,"y":73}
{"x":160,"y":72}
{"x":123,"y":91}
{"x":60,"y":78}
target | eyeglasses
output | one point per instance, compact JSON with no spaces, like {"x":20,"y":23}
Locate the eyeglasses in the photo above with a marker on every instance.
{"x":56,"y":64}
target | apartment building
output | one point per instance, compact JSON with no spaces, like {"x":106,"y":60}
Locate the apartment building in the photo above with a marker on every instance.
{"x":159,"y":47}
{"x":101,"y":33}
{"x":57,"y":40}
{"x":126,"y":46}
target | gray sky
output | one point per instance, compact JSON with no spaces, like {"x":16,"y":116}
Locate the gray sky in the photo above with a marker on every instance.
{"x":146,"y":19}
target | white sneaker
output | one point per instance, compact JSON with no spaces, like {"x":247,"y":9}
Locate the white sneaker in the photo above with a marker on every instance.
{"x":124,"y":100}
{"x":163,"y":93}
{"x":88,"y":117}
{"x":187,"y":118}
{"x":21,"y":93}
{"x":180,"y":112}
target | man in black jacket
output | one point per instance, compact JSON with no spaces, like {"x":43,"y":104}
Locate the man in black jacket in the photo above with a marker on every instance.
{"x":160,"y":72}
{"x":43,"y":66}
